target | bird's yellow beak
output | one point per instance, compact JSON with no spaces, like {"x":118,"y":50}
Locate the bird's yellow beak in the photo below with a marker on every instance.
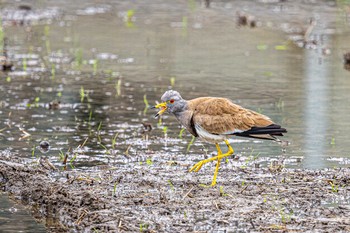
{"x":162,"y":107}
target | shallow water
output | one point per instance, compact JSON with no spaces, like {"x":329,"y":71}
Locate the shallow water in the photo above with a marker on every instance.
{"x":15,"y":218}
{"x":118,"y":52}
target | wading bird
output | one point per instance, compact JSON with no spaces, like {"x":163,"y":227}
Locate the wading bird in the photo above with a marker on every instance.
{"x":214,"y":120}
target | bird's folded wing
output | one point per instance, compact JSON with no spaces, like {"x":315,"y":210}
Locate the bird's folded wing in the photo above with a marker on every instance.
{"x":221,"y":116}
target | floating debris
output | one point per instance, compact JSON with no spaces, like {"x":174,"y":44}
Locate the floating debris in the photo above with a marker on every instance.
{"x":347,"y":61}
{"x":44,"y":146}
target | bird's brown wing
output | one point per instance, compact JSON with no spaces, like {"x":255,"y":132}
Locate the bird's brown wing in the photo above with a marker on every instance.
{"x":221,"y":116}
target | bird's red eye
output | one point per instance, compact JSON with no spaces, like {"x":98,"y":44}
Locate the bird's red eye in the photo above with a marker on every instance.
{"x":171,"y":101}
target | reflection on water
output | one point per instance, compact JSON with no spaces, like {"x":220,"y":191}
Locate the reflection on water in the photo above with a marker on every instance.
{"x":103,"y":63}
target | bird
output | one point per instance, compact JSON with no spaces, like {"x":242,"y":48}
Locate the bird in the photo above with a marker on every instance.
{"x":215,"y":120}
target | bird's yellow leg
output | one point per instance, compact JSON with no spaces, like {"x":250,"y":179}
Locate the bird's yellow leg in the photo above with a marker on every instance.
{"x":220,"y":155}
{"x":199,"y":165}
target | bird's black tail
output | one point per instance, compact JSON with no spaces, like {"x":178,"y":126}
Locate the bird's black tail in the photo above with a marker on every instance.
{"x":268,"y":132}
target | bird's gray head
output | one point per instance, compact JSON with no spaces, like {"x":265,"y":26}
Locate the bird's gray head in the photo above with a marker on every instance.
{"x":172,"y":102}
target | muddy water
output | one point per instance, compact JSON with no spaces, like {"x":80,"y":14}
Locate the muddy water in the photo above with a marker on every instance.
{"x":101,"y":61}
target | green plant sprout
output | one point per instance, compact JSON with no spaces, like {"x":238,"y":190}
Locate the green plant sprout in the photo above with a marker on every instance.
{"x":24,"y":64}
{"x":53,"y":71}
{"x":78,"y":57}
{"x":118,"y":87}
{"x":171,"y":185}
{"x":114,"y":140}
{"x":61,"y":155}
{"x":165,"y":130}
{"x":129,"y":15}
{"x":146,"y":104}
{"x":33,"y":151}
{"x":334,"y":186}
{"x":181,"y":132}
{"x":94,"y":65}
{"x":190,"y":144}
{"x":172,"y":81}
{"x":82,"y":94}
{"x":115,"y":189}
{"x":149,"y":161}
{"x":72,"y":160}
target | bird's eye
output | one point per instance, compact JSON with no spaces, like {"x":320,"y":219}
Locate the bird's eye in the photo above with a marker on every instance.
{"x":171,"y":101}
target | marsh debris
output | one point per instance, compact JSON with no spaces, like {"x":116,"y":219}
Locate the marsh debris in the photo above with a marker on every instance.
{"x":162,"y":198}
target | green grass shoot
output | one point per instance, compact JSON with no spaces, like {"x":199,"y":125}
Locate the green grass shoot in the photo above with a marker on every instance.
{"x":172,"y":81}
{"x":99,"y":126}
{"x":82,"y":94}
{"x":149,"y":161}
{"x":165,"y":130}
{"x":78,"y":57}
{"x":171,"y":185}
{"x":118,"y":87}
{"x":61,"y":155}
{"x":146,"y":104}
{"x":47,"y":41}
{"x":129,"y":15}
{"x":94,"y":65}
{"x":53,"y":71}
{"x":190,"y":144}
{"x":181,"y":132}
{"x":114,"y":140}
{"x":115,"y":189}
{"x":33,"y":151}
{"x":24,"y":63}
{"x":72,"y":160}
{"x":8,"y":79}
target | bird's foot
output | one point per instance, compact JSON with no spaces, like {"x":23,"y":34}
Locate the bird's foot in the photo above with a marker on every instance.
{"x":199,"y":165}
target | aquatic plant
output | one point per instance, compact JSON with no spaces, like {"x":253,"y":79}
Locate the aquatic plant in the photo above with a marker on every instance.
{"x":72,"y":160}
{"x":334,"y":186}
{"x":33,"y":151}
{"x":47,"y":41}
{"x":78,"y":57}
{"x":94,"y":65}
{"x":171,"y":185}
{"x":82,"y":94}
{"x":165,"y":130}
{"x":115,"y":189}
{"x":181,"y":132}
{"x":190,"y":144}
{"x":114,"y":140}
{"x":146,"y":104}
{"x":118,"y":87}
{"x":53,"y":71}
{"x":149,"y":161}
{"x":172,"y":81}
{"x":61,"y":155}
{"x":129,"y":18}
{"x":24,"y":64}
{"x":144,"y":227}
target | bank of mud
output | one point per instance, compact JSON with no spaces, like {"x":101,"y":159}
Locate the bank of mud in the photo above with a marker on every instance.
{"x":166,"y":198}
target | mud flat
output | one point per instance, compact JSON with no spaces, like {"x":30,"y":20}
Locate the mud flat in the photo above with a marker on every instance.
{"x":166,"y":198}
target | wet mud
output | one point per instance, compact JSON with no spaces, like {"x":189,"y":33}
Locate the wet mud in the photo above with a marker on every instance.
{"x":162,"y":197}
